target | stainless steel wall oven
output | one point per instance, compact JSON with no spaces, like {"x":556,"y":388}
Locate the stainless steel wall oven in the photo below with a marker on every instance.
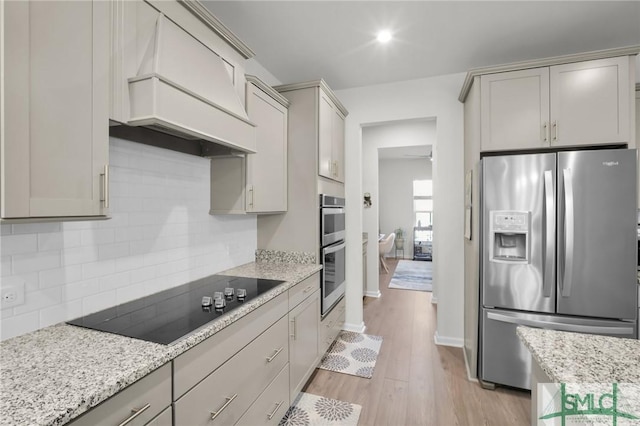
{"x":332,"y":251}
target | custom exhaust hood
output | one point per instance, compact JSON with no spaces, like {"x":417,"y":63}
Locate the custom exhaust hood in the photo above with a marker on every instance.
{"x":183,"y":89}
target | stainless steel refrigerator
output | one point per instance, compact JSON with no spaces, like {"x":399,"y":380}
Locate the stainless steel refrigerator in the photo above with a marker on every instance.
{"x":558,"y":251}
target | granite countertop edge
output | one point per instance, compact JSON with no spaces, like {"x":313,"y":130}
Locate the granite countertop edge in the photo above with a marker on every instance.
{"x":568,"y":357}
{"x":89,"y":377}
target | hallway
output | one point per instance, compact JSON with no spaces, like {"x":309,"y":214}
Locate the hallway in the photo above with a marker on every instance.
{"x":416,"y":382}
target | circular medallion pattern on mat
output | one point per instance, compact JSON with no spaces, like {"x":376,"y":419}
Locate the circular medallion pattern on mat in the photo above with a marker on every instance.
{"x":295,"y":417}
{"x":335,"y":362}
{"x":372,"y":337}
{"x":351,"y":337}
{"x":337,"y":347}
{"x":364,"y":354}
{"x":332,"y":409}
{"x":365,"y":372}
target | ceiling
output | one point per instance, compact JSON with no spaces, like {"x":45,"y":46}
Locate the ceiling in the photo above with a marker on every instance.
{"x":307,"y":40}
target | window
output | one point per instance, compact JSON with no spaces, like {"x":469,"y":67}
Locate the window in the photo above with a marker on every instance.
{"x":423,"y":203}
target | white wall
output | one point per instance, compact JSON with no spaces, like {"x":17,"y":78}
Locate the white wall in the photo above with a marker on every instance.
{"x":437,"y":98}
{"x":396,"y":178}
{"x":160,"y":236}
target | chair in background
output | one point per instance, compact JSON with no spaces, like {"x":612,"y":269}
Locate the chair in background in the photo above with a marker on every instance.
{"x":384,"y":247}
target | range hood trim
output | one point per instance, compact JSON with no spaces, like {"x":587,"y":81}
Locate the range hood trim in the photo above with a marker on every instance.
{"x":188,"y":92}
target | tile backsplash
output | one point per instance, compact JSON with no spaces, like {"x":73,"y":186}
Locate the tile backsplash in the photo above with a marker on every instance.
{"x":160,"y":235}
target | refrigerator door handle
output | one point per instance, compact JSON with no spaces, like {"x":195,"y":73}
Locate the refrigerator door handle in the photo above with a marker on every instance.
{"x":576,"y":328}
{"x":549,"y":226}
{"x":569,"y":221}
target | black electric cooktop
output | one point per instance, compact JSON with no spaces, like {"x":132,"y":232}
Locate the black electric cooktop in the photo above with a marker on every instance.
{"x":168,"y":316}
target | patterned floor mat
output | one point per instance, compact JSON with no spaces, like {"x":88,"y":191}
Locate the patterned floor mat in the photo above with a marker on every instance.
{"x":353,"y":353}
{"x":313,"y":410}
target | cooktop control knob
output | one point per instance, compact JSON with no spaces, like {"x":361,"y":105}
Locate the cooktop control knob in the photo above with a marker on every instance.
{"x":219,"y":303}
{"x":218,"y":295}
{"x":206,"y":301}
{"x":241,"y":294}
{"x":228,"y":292}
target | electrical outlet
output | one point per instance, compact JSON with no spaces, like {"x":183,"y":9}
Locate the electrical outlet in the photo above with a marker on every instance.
{"x":12,"y":295}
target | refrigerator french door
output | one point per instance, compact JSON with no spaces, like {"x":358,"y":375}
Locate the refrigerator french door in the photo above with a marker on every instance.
{"x":558,"y":251}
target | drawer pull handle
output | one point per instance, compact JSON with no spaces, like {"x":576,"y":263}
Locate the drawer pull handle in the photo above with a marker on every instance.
{"x":136,"y":412}
{"x":215,"y":414}
{"x":271,"y":358}
{"x":275,"y":410}
{"x":308,"y":289}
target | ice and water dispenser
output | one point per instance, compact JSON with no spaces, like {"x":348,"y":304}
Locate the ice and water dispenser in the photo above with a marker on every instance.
{"x":510,"y":232}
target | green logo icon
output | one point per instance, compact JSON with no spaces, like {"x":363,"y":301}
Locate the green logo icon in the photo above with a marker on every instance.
{"x":603,"y":404}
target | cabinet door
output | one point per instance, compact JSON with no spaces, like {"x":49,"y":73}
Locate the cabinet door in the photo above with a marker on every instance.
{"x":515,"y":110}
{"x":325,"y":136}
{"x":55,"y":141}
{"x":267,"y":169}
{"x":590,"y":102}
{"x":337,"y":146}
{"x":304,"y":322}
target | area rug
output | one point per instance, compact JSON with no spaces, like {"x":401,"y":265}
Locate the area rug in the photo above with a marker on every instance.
{"x":353,"y":353}
{"x":412,"y":275}
{"x":315,"y":410}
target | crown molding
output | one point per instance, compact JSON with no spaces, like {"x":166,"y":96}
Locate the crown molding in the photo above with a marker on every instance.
{"x":205,"y":15}
{"x":268,"y":90}
{"x":545,"y":62}
{"x":315,"y":83}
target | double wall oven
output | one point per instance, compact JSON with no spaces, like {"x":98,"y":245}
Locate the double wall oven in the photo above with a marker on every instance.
{"x":332,"y":251}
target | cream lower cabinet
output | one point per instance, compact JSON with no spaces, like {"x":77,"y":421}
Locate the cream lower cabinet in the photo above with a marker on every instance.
{"x":55,"y":109}
{"x":331,"y":325}
{"x":255,"y":183}
{"x":581,"y":103}
{"x":224,"y":396}
{"x":147,"y":401}
{"x":303,"y":341}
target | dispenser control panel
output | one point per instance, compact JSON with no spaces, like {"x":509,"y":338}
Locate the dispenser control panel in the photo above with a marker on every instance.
{"x":511,"y":221}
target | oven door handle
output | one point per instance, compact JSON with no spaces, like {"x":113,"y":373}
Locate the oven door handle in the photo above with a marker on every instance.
{"x":334,"y":248}
{"x":332,"y":210}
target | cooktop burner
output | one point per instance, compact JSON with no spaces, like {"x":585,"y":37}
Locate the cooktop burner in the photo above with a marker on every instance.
{"x":168,"y":316}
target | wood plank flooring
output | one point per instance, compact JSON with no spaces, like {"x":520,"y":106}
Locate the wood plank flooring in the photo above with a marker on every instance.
{"x":416,"y":382}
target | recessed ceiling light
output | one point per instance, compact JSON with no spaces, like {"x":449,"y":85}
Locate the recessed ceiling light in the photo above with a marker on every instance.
{"x":384,"y":36}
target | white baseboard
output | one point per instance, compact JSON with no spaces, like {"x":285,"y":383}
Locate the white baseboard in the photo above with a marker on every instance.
{"x":434,"y":299}
{"x":447,"y":341}
{"x":356,"y":328}
{"x":466,"y":364}
{"x":375,"y":294}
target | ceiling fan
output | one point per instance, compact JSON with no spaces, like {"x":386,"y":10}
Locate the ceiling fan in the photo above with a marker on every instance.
{"x":429,"y":155}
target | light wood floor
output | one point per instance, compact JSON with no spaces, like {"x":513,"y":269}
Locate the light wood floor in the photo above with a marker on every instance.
{"x":416,"y":382}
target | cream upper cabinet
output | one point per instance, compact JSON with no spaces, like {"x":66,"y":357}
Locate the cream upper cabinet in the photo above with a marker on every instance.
{"x":320,"y":116}
{"x":581,"y":103}
{"x":255,"y":183}
{"x":330,"y":139}
{"x":55,"y":109}
{"x":267,"y":169}
{"x":515,"y":109}
{"x":590,"y":102}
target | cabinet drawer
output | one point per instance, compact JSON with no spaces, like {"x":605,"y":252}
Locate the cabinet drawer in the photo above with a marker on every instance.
{"x":195,"y":364}
{"x":271,"y":406}
{"x":303,"y":289}
{"x":163,"y":419}
{"x":230,"y":390}
{"x":152,"y":391}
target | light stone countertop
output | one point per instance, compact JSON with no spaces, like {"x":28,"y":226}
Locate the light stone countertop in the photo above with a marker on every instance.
{"x":51,"y":376}
{"x":583,"y":358}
